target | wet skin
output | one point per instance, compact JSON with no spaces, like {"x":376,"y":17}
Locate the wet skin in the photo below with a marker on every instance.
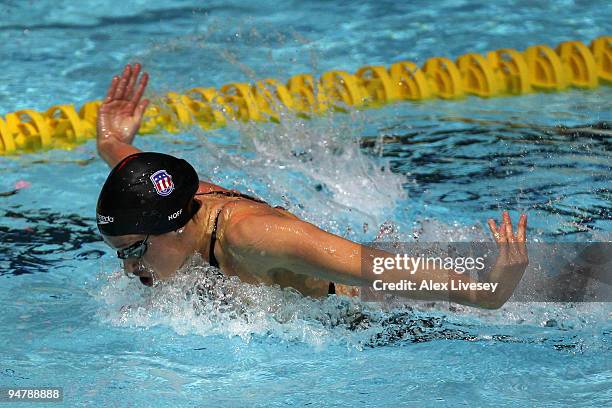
{"x":260,"y":244}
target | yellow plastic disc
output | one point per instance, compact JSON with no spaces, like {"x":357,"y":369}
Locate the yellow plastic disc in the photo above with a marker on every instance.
{"x":269,"y":93}
{"x":409,"y":81}
{"x":180,"y":105}
{"x":302,"y":90}
{"x":546,"y":71}
{"x":31,"y":126}
{"x":602,"y":52}
{"x":68,"y":125}
{"x":240,"y":97}
{"x":211,"y":97}
{"x":511,"y":69}
{"x":378,"y":83}
{"x":444,"y":78}
{"x":580,"y":65}
{"x":6,"y":137}
{"x":343,"y":87}
{"x":478,"y":75}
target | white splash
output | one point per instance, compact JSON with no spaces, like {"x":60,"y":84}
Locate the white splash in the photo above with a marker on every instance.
{"x":202,"y":301}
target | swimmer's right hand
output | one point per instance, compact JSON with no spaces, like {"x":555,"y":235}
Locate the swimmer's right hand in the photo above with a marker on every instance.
{"x":121,"y":112}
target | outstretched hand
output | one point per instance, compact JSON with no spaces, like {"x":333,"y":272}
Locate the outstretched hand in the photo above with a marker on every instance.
{"x":121,"y":112}
{"x":511,"y":261}
{"x":504,"y":233}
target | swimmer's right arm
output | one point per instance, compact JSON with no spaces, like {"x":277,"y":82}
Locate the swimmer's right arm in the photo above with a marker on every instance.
{"x":119,"y":119}
{"x":120,"y":115}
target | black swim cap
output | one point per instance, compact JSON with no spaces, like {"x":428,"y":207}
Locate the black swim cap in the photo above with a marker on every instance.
{"x":147,"y":193}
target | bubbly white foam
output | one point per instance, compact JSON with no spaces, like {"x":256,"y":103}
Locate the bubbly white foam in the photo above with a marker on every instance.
{"x":200,"y":300}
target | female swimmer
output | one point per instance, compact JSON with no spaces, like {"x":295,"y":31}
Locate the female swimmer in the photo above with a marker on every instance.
{"x":157,"y":214}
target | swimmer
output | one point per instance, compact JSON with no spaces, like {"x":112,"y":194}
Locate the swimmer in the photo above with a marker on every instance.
{"x":157,"y":214}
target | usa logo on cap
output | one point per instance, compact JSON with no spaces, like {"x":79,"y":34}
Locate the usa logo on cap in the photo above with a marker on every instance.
{"x":162,"y":182}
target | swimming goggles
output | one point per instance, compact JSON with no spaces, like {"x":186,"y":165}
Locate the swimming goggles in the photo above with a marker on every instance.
{"x":137,"y":250}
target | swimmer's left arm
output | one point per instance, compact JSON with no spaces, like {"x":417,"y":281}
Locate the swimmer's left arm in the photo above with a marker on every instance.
{"x":120,"y":115}
{"x":263,"y":243}
{"x":267,"y":242}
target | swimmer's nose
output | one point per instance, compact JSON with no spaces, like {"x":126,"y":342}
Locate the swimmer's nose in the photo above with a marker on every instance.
{"x":130,"y":265}
{"x":134,"y":267}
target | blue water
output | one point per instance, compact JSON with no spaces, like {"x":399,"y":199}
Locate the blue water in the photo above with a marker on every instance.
{"x":434,"y":170}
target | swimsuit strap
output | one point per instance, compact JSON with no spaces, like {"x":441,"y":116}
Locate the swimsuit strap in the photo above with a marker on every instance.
{"x":212,"y":260}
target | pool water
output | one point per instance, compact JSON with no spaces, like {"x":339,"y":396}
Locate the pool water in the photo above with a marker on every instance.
{"x":434,"y":171}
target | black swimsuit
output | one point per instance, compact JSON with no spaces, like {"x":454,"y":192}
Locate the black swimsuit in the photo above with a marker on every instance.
{"x":212,"y":260}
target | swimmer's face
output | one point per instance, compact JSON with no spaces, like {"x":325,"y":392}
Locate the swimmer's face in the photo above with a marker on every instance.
{"x":164,"y":255}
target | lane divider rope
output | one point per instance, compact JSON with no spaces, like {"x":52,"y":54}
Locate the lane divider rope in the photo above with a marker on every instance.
{"x":502,"y":72}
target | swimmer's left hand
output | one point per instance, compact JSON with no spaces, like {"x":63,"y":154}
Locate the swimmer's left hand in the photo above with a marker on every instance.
{"x":511,"y":261}
{"x":121,"y":112}
{"x":504,"y":233}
